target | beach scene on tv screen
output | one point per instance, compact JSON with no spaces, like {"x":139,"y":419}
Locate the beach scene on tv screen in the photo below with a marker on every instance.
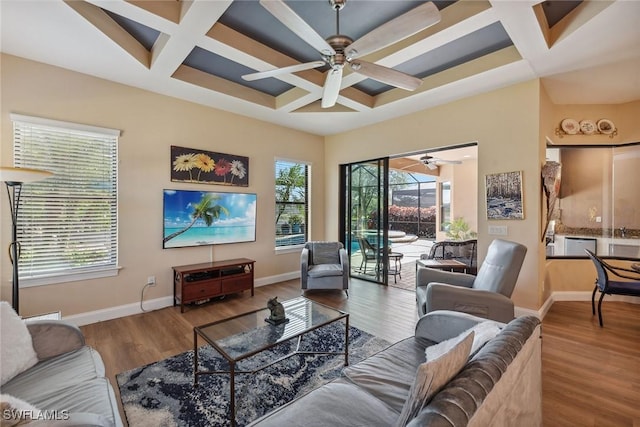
{"x":196,"y":218}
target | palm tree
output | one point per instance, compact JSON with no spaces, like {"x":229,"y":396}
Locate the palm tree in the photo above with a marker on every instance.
{"x":290,"y":188}
{"x":205,"y":210}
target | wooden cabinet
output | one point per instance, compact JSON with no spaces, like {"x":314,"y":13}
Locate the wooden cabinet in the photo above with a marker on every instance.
{"x":201,"y":282}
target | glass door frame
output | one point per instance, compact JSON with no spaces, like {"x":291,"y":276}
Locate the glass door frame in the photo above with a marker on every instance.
{"x":349,"y":231}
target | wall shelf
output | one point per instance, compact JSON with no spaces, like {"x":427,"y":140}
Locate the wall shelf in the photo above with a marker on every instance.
{"x":562,"y":134}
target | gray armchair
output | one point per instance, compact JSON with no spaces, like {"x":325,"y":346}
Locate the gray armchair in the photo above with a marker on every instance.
{"x":324,"y":265}
{"x":486,"y":295}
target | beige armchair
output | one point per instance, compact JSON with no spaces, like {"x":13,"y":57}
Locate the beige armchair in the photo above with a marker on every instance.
{"x":486,"y":295}
{"x":324,"y":265}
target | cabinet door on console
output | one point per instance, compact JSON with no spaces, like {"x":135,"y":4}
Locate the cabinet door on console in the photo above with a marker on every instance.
{"x":236,"y":283}
{"x":200,"y":290}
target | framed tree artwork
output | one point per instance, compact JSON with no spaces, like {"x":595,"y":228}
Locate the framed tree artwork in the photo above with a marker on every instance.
{"x":504,"y":195}
{"x":208,"y":167}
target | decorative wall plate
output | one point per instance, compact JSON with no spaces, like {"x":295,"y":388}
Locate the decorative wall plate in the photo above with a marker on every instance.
{"x":570,"y":126}
{"x":606,"y":126}
{"x":588,"y":127}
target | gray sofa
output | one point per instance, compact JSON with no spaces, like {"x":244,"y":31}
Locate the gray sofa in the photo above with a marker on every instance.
{"x":68,"y":382}
{"x":500,"y":385}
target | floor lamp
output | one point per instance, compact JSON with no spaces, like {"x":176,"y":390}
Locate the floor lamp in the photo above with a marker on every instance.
{"x":13,"y":179}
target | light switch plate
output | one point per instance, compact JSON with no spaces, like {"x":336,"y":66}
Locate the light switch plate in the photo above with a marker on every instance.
{"x":498,"y":230}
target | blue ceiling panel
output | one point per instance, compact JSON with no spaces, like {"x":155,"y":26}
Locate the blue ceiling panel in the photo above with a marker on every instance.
{"x":217,"y":65}
{"x":146,"y":36}
{"x":475,"y":45}
{"x":555,"y":10}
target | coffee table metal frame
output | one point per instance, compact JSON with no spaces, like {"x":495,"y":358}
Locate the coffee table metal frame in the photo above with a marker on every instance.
{"x":298,"y":326}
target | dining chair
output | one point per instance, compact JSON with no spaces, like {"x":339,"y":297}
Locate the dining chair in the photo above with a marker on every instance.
{"x":629,"y":287}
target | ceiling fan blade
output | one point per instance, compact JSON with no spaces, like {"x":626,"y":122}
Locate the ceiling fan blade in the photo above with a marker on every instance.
{"x":292,"y":21}
{"x":431,"y":166}
{"x":397,"y":29}
{"x":283,"y":70}
{"x":450,"y":162}
{"x":386,"y":75}
{"x":331,"y":88}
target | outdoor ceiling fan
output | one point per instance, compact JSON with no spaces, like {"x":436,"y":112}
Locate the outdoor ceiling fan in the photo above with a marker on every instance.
{"x":339,"y":49}
{"x":432,"y":162}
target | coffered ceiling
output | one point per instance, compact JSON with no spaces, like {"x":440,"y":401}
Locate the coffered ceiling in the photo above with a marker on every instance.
{"x":585,"y":51}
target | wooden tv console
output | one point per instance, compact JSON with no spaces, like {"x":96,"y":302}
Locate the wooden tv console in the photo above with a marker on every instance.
{"x":200,"y":282}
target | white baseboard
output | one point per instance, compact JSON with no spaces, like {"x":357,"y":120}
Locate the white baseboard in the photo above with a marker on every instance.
{"x":571,"y":296}
{"x":119,"y":311}
{"x":155,"y":304}
{"x":158,"y":303}
{"x":264,"y":281}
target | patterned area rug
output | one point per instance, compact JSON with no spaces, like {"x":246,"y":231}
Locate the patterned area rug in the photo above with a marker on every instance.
{"x":162,"y":393}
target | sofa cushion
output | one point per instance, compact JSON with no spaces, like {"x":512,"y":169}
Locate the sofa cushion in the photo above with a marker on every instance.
{"x":324,"y":270}
{"x":16,"y":352}
{"x":52,"y":376}
{"x":433,"y":375}
{"x":388,"y":375}
{"x":337,"y":403}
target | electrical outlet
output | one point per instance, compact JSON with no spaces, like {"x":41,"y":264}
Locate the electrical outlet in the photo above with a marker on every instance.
{"x":151,"y":280}
{"x":498,"y":230}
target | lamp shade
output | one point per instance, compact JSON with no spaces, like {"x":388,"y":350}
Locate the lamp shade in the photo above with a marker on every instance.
{"x":22,"y":175}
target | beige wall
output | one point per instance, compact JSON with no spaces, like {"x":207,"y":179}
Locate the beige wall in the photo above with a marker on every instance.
{"x":505,"y":123}
{"x":624,"y":116}
{"x":150,"y":124}
{"x":586,"y":184}
{"x":464,"y":200}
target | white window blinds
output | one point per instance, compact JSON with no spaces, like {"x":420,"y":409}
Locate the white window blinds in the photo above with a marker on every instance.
{"x":67,"y":224}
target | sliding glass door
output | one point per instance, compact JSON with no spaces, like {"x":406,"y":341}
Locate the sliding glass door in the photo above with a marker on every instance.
{"x":365,"y":222}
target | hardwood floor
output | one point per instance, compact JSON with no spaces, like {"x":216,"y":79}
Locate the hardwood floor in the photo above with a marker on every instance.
{"x":591,"y":376}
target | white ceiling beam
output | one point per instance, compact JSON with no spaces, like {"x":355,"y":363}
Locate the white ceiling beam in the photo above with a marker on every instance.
{"x":131,"y":11}
{"x":170,"y":51}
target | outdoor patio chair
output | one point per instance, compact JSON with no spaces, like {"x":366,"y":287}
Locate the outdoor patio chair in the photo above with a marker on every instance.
{"x":464,"y":251}
{"x":369,"y":253}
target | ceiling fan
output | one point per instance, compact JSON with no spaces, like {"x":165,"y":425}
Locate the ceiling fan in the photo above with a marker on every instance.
{"x":339,"y":49}
{"x":432,"y":162}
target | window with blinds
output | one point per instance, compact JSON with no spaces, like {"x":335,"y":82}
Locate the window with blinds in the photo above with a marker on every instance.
{"x":292,"y":203}
{"x":67,"y":224}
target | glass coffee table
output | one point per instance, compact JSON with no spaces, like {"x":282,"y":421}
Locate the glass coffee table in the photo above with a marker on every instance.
{"x":248,"y":334}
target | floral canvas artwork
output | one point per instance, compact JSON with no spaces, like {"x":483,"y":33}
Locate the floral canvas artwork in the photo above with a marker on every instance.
{"x":207,"y":167}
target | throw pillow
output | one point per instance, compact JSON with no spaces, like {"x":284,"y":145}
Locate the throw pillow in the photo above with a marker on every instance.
{"x":16,"y":349}
{"x":433,"y":375}
{"x":483,"y":332}
{"x":16,"y":412}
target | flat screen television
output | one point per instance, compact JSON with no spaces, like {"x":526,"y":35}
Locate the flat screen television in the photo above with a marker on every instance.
{"x":197,"y":218}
